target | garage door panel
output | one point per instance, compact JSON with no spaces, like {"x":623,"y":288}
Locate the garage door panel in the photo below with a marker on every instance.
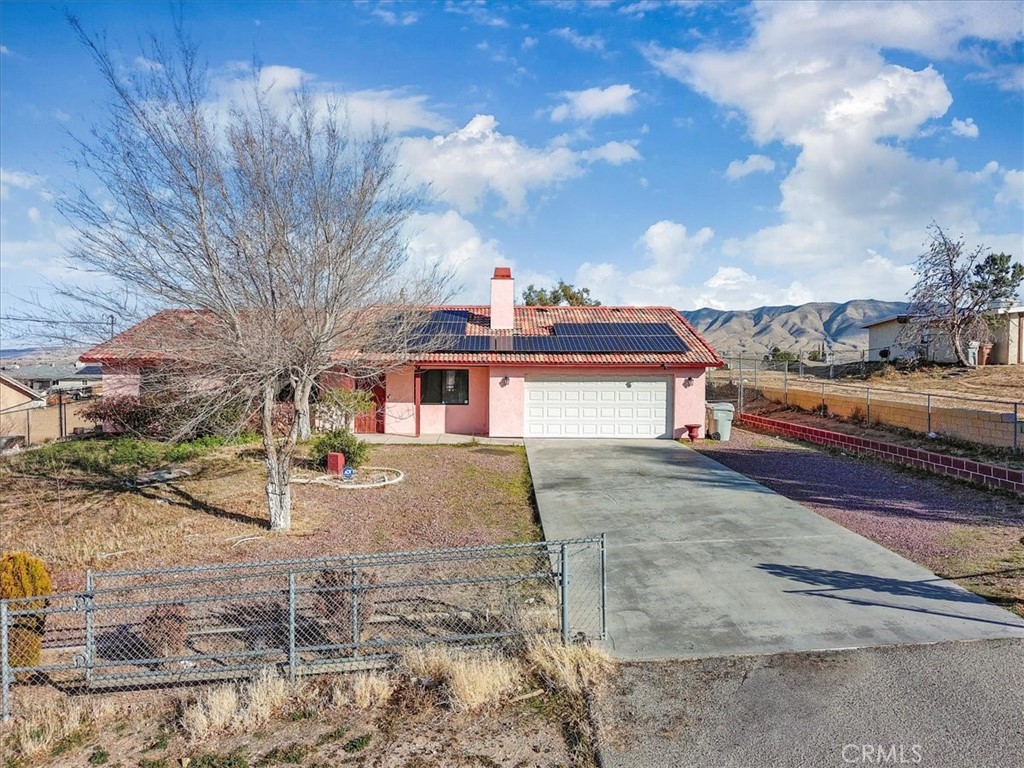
{"x":598,"y":406}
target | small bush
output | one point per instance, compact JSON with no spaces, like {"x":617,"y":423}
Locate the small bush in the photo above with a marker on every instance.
{"x":124,"y":413}
{"x":339,"y":441}
{"x":25,"y":576}
{"x":24,"y":647}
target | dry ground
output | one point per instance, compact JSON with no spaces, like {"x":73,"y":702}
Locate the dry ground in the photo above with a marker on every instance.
{"x":451,"y":496}
{"x":972,"y":536}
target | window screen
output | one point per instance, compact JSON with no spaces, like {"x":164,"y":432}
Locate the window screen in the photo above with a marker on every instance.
{"x":449,"y":387}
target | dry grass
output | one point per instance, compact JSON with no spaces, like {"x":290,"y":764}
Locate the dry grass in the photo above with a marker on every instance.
{"x":370,"y":690}
{"x":236,"y":708}
{"x":452,"y":496}
{"x":471,"y":681}
{"x":52,"y":726}
{"x":569,"y":668}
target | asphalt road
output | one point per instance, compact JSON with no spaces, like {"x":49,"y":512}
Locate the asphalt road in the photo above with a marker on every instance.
{"x":947,"y":705}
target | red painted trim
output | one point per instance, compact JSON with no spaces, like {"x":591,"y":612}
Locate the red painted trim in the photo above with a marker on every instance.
{"x":416,"y":397}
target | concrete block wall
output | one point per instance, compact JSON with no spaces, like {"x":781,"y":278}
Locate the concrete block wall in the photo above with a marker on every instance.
{"x":976,"y":426}
{"x":965,"y":469}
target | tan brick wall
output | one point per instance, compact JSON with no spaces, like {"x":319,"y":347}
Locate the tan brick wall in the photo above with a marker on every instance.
{"x":982,"y":427}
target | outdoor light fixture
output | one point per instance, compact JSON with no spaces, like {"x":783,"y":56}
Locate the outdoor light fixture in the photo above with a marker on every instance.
{"x":688,"y":381}
{"x":504,"y":381}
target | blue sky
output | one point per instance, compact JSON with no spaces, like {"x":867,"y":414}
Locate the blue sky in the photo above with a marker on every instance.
{"x":673,"y":153}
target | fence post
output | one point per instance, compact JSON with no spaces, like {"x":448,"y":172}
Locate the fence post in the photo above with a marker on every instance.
{"x":929,"y":414}
{"x":739,"y":395}
{"x":785,"y":385}
{"x":604,"y":588}
{"x":292,"y":661}
{"x":90,"y":626}
{"x":5,"y":665}
{"x":564,"y":590}
{"x":1016,"y":427}
{"x":867,"y":418}
{"x":823,"y":398}
{"x":755,"y":378}
{"x":355,"y":611}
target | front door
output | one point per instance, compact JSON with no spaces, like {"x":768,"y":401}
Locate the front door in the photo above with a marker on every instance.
{"x":372,"y":420}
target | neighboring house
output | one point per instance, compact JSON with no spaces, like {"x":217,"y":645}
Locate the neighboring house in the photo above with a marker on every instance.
{"x":934,"y":344}
{"x":47,"y":376}
{"x":16,"y":400}
{"x":515,"y":371}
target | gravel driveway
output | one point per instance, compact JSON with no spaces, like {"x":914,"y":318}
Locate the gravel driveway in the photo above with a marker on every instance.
{"x":958,"y":531}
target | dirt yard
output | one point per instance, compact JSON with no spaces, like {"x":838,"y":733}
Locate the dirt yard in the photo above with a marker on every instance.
{"x":451,"y":496}
{"x":971,"y":536}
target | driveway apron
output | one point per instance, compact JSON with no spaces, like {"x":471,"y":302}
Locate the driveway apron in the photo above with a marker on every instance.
{"x":703,"y":561}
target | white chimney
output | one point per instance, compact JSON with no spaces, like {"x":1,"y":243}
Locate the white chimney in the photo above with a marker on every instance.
{"x":503,"y":299}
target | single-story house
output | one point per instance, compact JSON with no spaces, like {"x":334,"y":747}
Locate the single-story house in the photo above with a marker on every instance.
{"x":517,"y":371}
{"x":934,"y":345}
{"x":16,"y":400}
{"x":64,"y":376}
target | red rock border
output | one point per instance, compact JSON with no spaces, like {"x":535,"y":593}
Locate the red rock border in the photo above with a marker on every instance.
{"x":940,"y":464}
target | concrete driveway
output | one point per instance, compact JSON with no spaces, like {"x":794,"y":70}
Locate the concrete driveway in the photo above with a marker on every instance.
{"x":705,"y":562}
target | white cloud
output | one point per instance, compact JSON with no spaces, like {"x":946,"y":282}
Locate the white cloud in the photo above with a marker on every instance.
{"x":5,"y":51}
{"x":813,"y":76}
{"x":588,"y":43}
{"x":398,"y":109}
{"x":477,"y":11}
{"x":1012,"y":191}
{"x":528,"y":43}
{"x":966,"y":128}
{"x":668,"y":250}
{"x":19,"y":180}
{"x":613,"y":153}
{"x":148,"y":65}
{"x":394,"y":19}
{"x":477,"y":160}
{"x":753,"y":164}
{"x":594,"y":103}
{"x":454,"y":246}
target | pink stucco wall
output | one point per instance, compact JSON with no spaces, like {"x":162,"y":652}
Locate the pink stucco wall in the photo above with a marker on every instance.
{"x":496,"y":408}
{"x":120,"y":381}
{"x":688,"y":401}
{"x":400,"y":411}
{"x":468,"y":419}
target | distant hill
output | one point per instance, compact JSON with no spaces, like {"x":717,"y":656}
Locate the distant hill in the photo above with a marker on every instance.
{"x":792,"y":329}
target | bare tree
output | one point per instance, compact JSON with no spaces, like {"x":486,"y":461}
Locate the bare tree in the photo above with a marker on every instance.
{"x":958,"y":291}
{"x":274,"y":234}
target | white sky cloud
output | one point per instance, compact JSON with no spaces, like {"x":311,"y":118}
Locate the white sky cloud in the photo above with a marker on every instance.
{"x":812,"y":76}
{"x":5,"y":51}
{"x":753,"y":164}
{"x":395,"y":19}
{"x":477,"y":160}
{"x":594,"y":103}
{"x":588,"y":43}
{"x":10,"y":180}
{"x":966,"y":128}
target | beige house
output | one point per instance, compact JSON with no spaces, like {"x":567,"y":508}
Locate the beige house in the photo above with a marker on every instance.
{"x":16,"y":402}
{"x":884,"y":341}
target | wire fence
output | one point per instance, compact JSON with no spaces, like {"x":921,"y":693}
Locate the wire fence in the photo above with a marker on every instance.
{"x":747,"y":381}
{"x":143,"y":629}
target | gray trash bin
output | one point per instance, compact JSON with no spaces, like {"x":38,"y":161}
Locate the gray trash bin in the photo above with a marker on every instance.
{"x":720,"y":420}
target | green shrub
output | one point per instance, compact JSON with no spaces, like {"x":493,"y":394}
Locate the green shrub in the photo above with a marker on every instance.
{"x":339,"y":441}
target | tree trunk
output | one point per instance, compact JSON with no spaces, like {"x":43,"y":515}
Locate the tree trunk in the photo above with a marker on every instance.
{"x":302,"y":409}
{"x":279,"y":465}
{"x":279,"y":494}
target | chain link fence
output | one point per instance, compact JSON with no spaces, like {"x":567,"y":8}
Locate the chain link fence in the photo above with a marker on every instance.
{"x":144,"y":629}
{"x":810,"y":387}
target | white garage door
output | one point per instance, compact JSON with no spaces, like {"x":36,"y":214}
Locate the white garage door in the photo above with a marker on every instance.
{"x":599,"y":406}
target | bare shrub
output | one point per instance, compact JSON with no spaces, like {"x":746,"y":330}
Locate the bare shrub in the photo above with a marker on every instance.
{"x":165,"y":630}
{"x":334,"y":599}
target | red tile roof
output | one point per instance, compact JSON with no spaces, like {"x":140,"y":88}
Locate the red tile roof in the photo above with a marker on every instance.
{"x":157,"y":337}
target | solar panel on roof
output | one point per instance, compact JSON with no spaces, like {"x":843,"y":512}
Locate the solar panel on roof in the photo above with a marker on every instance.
{"x":613,"y":329}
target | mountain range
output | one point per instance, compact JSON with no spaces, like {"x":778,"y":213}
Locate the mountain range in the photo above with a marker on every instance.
{"x":792,"y":329}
